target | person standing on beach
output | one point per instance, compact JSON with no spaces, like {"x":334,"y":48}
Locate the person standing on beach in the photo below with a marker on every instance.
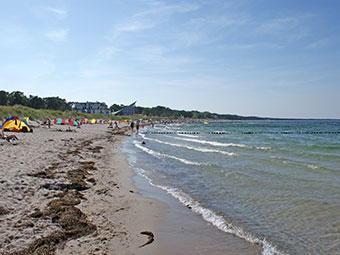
{"x":132,"y":125}
{"x":137,"y":126}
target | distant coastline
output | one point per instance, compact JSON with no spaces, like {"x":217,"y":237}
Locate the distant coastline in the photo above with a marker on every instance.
{"x":36,"y":107}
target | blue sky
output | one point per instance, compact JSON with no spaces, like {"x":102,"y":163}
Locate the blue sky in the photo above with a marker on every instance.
{"x":249,"y":57}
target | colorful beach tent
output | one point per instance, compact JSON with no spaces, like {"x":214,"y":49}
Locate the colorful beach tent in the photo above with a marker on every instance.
{"x":10,"y":118}
{"x":93,"y":121}
{"x":86,"y":121}
{"x":16,"y":125}
{"x":74,"y":123}
{"x":26,"y":120}
{"x":59,"y":121}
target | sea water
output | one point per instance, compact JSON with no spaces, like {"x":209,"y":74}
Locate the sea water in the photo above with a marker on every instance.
{"x":274,"y":183}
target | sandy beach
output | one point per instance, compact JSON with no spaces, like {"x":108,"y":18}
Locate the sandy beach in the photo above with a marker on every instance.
{"x":71,"y":193}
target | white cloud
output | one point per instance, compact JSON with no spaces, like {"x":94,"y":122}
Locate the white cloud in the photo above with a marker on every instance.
{"x":59,"y":13}
{"x":155,"y":14}
{"x":158,"y":8}
{"x":278,"y":25}
{"x":250,"y":46}
{"x":106,"y":53}
{"x":218,"y":21}
{"x":58,"y":35}
{"x":133,"y":26}
{"x":318,"y":44}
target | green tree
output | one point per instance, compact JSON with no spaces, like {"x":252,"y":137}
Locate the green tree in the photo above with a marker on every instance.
{"x":115,"y":107}
{"x":4,"y":97}
{"x":18,"y":97}
{"x":37,"y":102}
{"x":56,"y":103}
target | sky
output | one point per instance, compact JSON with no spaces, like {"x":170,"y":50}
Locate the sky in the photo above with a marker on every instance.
{"x":268,"y":58}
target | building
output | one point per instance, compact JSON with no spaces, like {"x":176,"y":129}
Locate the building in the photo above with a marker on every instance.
{"x":90,"y":107}
{"x":128,"y":110}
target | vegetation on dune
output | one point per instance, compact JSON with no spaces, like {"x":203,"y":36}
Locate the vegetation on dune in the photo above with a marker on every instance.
{"x":39,"y":114}
{"x":49,"y":103}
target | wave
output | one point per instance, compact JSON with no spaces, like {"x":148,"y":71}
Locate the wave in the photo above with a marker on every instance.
{"x":218,"y":144}
{"x":296,"y":163}
{"x":210,"y":216}
{"x":161,"y":155}
{"x":190,"y":147}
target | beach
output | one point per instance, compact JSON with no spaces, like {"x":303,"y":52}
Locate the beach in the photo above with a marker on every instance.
{"x":80,"y":172}
{"x":71,"y":191}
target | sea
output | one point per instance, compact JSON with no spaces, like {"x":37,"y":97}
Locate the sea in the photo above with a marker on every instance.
{"x":272,"y":183}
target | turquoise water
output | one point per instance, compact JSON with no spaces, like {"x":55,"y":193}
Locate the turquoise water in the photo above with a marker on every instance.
{"x":272,"y":183}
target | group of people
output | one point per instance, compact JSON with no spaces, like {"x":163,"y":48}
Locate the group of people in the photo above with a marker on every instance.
{"x":111,"y":125}
{"x":132,"y":125}
{"x":47,"y":122}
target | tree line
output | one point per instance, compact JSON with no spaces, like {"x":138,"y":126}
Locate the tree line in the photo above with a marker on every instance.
{"x":165,"y":112}
{"x":57,"y":103}
{"x":18,"y":97}
{"x":161,"y":111}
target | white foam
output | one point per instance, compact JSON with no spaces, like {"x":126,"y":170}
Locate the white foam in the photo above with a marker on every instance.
{"x":213,"y":218}
{"x":161,"y":155}
{"x":211,"y":142}
{"x":218,"y":144}
{"x":190,"y":147}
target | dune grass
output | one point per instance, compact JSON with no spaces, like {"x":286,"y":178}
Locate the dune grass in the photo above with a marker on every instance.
{"x":39,"y":114}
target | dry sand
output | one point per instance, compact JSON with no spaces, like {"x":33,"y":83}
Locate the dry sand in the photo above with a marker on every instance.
{"x":71,"y":193}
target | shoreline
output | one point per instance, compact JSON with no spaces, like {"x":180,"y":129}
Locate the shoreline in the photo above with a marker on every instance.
{"x":188,"y":230}
{"x":191,"y":234}
{"x":108,"y":205}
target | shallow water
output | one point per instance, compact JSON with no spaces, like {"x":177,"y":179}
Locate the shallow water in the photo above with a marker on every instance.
{"x":274,"y":183}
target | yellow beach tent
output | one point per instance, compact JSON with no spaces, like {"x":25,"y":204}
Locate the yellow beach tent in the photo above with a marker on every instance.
{"x":16,"y":125}
{"x":93,"y":121}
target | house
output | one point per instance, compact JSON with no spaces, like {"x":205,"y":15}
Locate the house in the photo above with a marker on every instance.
{"x":91,"y":107}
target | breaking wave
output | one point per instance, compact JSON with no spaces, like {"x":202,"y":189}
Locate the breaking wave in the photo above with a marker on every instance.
{"x":218,"y":144}
{"x":161,"y":155}
{"x":190,"y":147}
